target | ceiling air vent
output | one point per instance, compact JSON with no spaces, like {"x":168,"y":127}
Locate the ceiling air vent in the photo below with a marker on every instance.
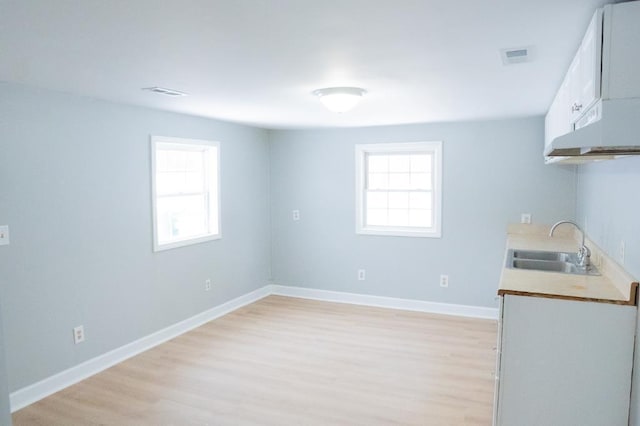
{"x":164,"y":91}
{"x":516,"y":55}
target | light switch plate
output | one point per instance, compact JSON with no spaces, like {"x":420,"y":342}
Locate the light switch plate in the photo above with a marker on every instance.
{"x":4,"y":235}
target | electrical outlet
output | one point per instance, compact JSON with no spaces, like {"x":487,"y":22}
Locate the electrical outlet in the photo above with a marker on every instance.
{"x":525,"y":218}
{"x":4,"y":235}
{"x":596,"y":260}
{"x":295,"y":214}
{"x":361,"y":275}
{"x":78,"y":334}
{"x":621,"y":253}
{"x":444,"y":280}
{"x":207,"y":285}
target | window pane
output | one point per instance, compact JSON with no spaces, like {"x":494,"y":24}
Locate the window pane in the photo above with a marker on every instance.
{"x":169,"y":183}
{"x":161,"y":160}
{"x":378,"y":163}
{"x":194,"y":161}
{"x":377,"y":217}
{"x":179,"y":172}
{"x":421,"y":181}
{"x":186,"y":198}
{"x":399,"y":181}
{"x":399,"y":217}
{"x":420,"y":200}
{"x":398,"y":200}
{"x":400,"y":163}
{"x":420,"y":218}
{"x":398,"y":195}
{"x":378,"y":181}
{"x":176,"y":160}
{"x":193,"y":182}
{"x":376,"y":200}
{"x":421,"y":163}
{"x":181,"y":217}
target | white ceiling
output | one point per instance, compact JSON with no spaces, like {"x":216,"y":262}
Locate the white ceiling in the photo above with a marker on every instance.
{"x":257,"y":61}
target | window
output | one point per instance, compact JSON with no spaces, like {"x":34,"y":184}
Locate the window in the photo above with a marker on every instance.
{"x":398,"y":189}
{"x":186,"y":191}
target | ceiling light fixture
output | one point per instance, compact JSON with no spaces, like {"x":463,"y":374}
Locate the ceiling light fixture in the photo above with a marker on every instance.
{"x":340,"y":99}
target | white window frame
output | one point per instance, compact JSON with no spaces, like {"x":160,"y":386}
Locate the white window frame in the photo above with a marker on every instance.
{"x":433,"y":147}
{"x":180,"y":142}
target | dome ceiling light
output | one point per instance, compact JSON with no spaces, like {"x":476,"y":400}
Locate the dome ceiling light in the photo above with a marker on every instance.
{"x":340,"y":99}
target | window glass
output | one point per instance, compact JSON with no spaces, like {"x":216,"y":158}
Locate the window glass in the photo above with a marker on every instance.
{"x":186,"y":188}
{"x":399,"y":189}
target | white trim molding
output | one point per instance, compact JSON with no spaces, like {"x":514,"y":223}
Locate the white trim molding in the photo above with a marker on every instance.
{"x":39,"y":390}
{"x":387,"y":302}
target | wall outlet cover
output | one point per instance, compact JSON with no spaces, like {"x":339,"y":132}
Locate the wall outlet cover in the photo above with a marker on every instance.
{"x":78,"y":334}
{"x":444,"y":280}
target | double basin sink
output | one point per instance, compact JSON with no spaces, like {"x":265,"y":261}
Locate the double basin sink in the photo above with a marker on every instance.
{"x":548,"y":261}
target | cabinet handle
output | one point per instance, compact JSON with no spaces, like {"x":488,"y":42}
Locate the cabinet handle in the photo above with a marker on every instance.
{"x":576,"y":107}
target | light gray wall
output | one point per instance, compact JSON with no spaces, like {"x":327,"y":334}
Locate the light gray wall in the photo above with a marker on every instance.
{"x":608,"y":205}
{"x":493,"y":171}
{"x":75,"y":176}
{"x":5,"y":409}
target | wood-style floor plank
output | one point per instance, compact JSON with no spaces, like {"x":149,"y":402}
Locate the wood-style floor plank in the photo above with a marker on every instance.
{"x":287,"y":361}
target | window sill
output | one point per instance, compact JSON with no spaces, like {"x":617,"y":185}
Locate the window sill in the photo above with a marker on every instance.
{"x":186,"y":242}
{"x":399,"y":233}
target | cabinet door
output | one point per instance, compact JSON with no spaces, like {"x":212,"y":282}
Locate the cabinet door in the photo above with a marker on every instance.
{"x":574,"y":78}
{"x":590,"y":63}
{"x":565,"y":362}
{"x":496,"y":389}
{"x":558,"y":121}
{"x":581,"y":86}
{"x":585,"y":71}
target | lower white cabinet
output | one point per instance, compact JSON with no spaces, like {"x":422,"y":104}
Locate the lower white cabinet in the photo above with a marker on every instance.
{"x":563,"y":362}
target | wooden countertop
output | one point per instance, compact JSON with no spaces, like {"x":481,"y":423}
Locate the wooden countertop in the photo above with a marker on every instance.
{"x":614,"y":285}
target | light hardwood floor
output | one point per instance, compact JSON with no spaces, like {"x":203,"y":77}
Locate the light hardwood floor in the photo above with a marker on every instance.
{"x":287,"y":361}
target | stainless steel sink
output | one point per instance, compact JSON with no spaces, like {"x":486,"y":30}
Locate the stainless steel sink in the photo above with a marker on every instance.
{"x":547,"y":261}
{"x":546,"y":265}
{"x":545,"y":255}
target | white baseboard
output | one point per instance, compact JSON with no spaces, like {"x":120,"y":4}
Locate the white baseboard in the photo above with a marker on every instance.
{"x":387,"y":302}
{"x":35,"y":392}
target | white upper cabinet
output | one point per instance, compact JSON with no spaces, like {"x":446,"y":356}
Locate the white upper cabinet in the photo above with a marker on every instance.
{"x":586,"y":77}
{"x":580,"y":88}
{"x":595,"y":113}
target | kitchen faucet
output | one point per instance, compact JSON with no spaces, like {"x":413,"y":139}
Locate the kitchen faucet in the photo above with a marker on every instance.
{"x":584,"y":254}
